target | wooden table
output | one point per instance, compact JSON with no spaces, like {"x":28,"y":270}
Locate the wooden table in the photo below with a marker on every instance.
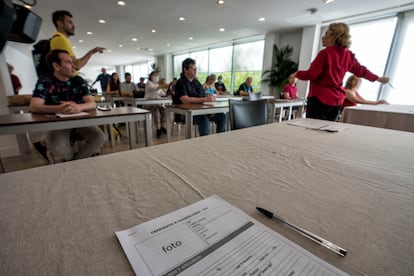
{"x":353,"y":188}
{"x":191,"y":110}
{"x":28,"y":122}
{"x":142,"y":101}
{"x":398,"y":117}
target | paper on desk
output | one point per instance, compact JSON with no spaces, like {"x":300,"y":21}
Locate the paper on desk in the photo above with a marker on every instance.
{"x":63,"y":115}
{"x":318,"y":125}
{"x":212,"y":237}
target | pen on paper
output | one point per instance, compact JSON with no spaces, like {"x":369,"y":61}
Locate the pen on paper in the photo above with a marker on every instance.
{"x":340,"y":251}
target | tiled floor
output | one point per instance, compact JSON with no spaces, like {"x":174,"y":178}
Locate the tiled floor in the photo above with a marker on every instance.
{"x":34,"y":159}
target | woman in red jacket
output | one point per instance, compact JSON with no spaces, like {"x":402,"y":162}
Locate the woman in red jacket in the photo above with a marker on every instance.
{"x":327,"y":71}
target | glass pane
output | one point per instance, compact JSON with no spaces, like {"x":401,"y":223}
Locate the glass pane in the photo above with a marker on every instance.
{"x":248,"y":62}
{"x":371,"y":50}
{"x":177,"y":63}
{"x":220,"y":63}
{"x":249,"y":56}
{"x":402,"y":73}
{"x":201,"y":59}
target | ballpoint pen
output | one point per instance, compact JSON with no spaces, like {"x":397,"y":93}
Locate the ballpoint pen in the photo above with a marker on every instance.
{"x":390,"y":85}
{"x":340,"y":251}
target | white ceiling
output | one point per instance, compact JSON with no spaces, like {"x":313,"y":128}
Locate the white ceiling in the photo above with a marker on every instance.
{"x":203,"y":20}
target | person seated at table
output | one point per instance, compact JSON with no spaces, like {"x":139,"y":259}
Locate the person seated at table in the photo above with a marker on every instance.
{"x":220,"y":86}
{"x":114,"y":86}
{"x":65,"y":92}
{"x":171,"y":87}
{"x":128,"y":87}
{"x":188,"y":90}
{"x":290,"y":90}
{"x":209,"y":87}
{"x":153,"y":91}
{"x":245,"y":88}
{"x":352,"y":96}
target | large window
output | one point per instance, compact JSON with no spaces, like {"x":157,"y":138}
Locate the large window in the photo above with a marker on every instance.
{"x":248,"y":61}
{"x":371,"y":43}
{"x":221,"y":63}
{"x":234,"y":62}
{"x":139,"y":70}
{"x":401,"y":66}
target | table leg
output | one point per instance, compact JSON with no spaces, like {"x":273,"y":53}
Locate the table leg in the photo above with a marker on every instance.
{"x":148,"y":129}
{"x":132,"y":135}
{"x":290,"y":112}
{"x":169,"y":125}
{"x":281,"y":114}
{"x":189,"y":124}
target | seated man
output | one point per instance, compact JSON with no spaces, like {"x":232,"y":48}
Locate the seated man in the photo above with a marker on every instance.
{"x":189,"y":90}
{"x":64,"y":92}
{"x":246,"y":87}
{"x":128,"y":88}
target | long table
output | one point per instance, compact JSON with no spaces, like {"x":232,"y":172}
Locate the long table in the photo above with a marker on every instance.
{"x":191,"y":110}
{"x":28,"y":122}
{"x":398,"y":117}
{"x":353,"y":188}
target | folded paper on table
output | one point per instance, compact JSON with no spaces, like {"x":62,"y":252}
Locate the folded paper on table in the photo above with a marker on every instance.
{"x":62,"y":115}
{"x":212,"y":236}
{"x":318,"y":125}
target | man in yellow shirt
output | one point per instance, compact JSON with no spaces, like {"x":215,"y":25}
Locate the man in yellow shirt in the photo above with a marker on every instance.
{"x":60,"y":40}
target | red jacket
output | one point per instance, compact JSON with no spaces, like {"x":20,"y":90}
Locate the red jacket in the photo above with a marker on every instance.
{"x":327,"y":71}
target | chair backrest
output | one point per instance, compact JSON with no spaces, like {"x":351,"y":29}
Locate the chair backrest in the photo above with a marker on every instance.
{"x":247,"y":113}
{"x":253,"y":96}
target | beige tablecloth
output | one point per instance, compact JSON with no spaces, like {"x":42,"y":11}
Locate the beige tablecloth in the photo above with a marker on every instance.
{"x":354,"y":188}
{"x":398,"y":117}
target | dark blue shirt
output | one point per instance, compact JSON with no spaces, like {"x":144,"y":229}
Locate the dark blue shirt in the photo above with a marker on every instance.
{"x":103,"y":79}
{"x":184,"y":87}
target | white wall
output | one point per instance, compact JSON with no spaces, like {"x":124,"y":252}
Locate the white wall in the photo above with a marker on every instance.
{"x":20,"y":56}
{"x":292,"y":38}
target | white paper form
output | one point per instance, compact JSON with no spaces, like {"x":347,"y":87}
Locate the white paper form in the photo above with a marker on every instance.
{"x":212,"y":237}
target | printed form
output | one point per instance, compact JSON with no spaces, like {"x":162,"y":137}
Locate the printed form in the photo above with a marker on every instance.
{"x":213,"y":237}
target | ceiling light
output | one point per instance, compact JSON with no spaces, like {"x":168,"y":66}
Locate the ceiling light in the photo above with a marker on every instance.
{"x":28,"y":7}
{"x":109,"y":51}
{"x":73,"y":47}
{"x":134,"y":39}
{"x":328,"y":1}
{"x":190,"y":38}
{"x":222,"y":29}
{"x":80,"y":41}
{"x":181,"y":18}
{"x":120,"y":45}
{"x":168,"y":44}
{"x":101,"y":21}
{"x":154,"y":31}
{"x":89,"y":33}
{"x":150,"y":50}
{"x":262,"y":19}
{"x":220,"y":2}
{"x":121,"y":3}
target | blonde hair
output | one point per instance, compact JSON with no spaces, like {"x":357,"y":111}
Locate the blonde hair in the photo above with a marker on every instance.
{"x":348,"y":84}
{"x":341,"y":33}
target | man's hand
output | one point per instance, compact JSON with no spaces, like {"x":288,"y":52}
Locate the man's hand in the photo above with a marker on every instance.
{"x":211,"y":98}
{"x":69,"y":107}
{"x":98,"y":50}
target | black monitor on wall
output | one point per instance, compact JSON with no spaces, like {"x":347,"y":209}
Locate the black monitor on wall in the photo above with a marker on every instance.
{"x":7,"y":17}
{"x":26,"y":26}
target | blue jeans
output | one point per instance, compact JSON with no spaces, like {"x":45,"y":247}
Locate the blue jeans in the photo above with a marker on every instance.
{"x":203,"y":122}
